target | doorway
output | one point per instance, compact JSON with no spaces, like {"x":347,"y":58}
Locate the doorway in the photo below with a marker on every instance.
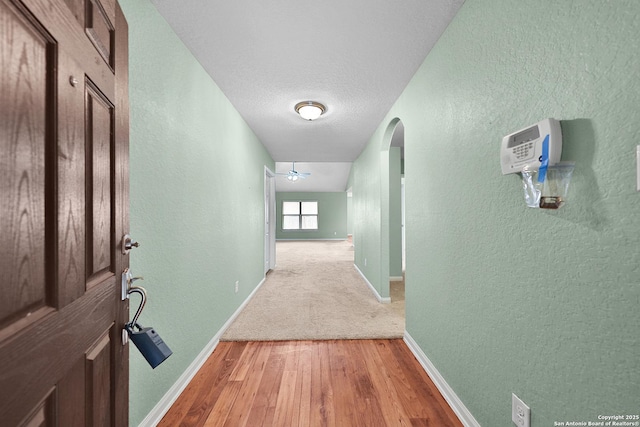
{"x":396,"y":213}
{"x":269,"y":220}
{"x":391,"y":160}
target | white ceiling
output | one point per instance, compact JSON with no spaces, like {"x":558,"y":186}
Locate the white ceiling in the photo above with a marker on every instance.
{"x":353,"y":56}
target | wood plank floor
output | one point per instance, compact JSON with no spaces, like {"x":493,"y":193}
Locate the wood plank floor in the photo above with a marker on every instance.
{"x":311,"y":383}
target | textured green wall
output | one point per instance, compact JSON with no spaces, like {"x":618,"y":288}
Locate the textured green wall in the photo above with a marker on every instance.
{"x":367,"y":237}
{"x":200,"y":224}
{"x":332,"y":215}
{"x":503,"y":298}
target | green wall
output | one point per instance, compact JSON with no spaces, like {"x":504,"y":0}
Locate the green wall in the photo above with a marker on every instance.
{"x":503,"y":298}
{"x":200,"y":224}
{"x":332,"y":216}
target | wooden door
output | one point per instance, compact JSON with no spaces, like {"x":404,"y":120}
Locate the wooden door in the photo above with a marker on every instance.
{"x":63,"y":211}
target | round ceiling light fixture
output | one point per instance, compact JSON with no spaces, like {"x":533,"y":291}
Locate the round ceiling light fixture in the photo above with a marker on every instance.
{"x":310,"y":110}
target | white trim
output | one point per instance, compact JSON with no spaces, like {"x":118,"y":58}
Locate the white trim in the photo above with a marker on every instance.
{"x":311,"y":238}
{"x":447,"y":392}
{"x":386,"y":300}
{"x":396,"y":278}
{"x":270,"y":213}
{"x":162,"y":407}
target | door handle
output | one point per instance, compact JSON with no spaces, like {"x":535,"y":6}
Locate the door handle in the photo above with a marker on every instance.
{"x":128,"y":244}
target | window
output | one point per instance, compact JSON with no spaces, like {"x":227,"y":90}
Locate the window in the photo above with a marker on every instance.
{"x":299,"y":215}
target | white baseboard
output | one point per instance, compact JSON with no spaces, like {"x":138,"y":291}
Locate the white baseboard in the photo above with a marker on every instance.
{"x":312,"y":239}
{"x":386,"y":300}
{"x":162,"y":407}
{"x":447,"y":392}
{"x":396,"y":278}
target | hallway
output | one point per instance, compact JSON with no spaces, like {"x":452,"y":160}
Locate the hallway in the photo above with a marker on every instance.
{"x":311,"y":383}
{"x":315,"y":293}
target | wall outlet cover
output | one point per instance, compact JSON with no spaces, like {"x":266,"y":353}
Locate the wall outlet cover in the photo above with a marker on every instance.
{"x":520,"y":412}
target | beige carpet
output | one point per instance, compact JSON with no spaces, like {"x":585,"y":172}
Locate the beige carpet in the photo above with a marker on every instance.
{"x":315,"y":293}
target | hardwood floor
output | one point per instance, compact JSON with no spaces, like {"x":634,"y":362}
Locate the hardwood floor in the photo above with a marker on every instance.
{"x":311,"y":383}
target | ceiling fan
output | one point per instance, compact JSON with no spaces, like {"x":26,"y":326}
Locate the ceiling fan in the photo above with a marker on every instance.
{"x":293,"y":175}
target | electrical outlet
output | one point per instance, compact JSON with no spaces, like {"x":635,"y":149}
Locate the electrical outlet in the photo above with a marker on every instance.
{"x":365,"y":262}
{"x":237,"y":286}
{"x":520,"y":412}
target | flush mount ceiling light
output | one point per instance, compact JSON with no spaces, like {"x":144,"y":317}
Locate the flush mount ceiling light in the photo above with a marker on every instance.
{"x":309,"y":110}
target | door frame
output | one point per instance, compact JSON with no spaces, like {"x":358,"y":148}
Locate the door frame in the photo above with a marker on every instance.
{"x":269,"y":220}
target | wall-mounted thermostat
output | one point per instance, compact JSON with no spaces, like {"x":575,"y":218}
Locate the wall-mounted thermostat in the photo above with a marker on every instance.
{"x":531,"y":146}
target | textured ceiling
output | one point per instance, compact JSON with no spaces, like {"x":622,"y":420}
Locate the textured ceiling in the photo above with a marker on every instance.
{"x":355,"y":57}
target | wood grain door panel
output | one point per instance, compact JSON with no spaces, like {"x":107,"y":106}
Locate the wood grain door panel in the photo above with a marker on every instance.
{"x":43,"y":414}
{"x":98,"y":383}
{"x":25,"y":66}
{"x":99,"y":28}
{"x":99,"y":176}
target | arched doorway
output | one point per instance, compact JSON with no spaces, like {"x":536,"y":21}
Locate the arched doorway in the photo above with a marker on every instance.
{"x":391,"y":204}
